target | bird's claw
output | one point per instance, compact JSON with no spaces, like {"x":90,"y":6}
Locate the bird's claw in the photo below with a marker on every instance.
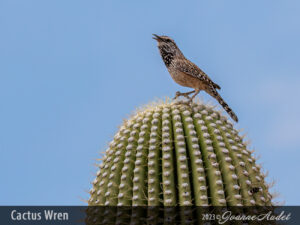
{"x":178,"y":94}
{"x":190,"y":101}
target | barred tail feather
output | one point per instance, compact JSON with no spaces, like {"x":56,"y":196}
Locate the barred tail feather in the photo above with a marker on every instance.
{"x":216,"y":95}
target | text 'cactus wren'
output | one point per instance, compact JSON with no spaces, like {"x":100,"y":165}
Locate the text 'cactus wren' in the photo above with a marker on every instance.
{"x":187,"y":74}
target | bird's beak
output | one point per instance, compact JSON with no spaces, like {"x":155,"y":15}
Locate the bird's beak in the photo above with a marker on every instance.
{"x":156,"y":37}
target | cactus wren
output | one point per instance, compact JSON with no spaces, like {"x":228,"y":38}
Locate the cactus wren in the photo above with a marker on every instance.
{"x":187,"y":74}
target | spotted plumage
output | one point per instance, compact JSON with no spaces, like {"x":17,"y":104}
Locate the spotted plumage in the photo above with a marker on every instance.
{"x":191,"y":69}
{"x":166,"y":55}
{"x":187,"y":74}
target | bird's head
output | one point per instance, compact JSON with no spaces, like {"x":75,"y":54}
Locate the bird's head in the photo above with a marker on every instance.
{"x":164,"y":40}
{"x":167,"y":48}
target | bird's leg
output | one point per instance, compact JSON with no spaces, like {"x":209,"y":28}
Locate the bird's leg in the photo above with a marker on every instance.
{"x":186,"y":94}
{"x":194,"y":95}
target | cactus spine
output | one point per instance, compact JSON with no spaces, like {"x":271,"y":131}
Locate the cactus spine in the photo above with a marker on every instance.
{"x":175,"y":155}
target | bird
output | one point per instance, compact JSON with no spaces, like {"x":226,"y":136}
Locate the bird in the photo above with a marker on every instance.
{"x":188,"y":74}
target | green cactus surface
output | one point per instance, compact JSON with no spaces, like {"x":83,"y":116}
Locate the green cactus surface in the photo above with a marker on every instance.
{"x":173,"y":154}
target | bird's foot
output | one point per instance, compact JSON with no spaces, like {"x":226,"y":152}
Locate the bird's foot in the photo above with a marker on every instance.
{"x":190,"y":101}
{"x":178,"y":94}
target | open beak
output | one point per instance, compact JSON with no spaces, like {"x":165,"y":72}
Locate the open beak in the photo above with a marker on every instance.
{"x":156,"y":37}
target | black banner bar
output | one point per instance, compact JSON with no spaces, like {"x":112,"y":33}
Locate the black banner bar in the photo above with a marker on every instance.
{"x":98,"y":215}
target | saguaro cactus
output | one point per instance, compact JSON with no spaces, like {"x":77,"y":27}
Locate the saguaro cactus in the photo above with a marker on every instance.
{"x":173,"y":154}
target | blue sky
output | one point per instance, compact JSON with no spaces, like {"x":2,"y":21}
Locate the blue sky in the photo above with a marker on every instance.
{"x":70,"y":71}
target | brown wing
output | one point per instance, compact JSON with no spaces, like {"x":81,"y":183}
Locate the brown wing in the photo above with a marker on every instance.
{"x":191,"y":69}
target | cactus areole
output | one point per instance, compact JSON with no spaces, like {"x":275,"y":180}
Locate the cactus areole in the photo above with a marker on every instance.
{"x":172,"y":154}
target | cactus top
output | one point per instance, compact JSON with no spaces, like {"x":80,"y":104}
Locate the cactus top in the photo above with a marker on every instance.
{"x":173,"y":154}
